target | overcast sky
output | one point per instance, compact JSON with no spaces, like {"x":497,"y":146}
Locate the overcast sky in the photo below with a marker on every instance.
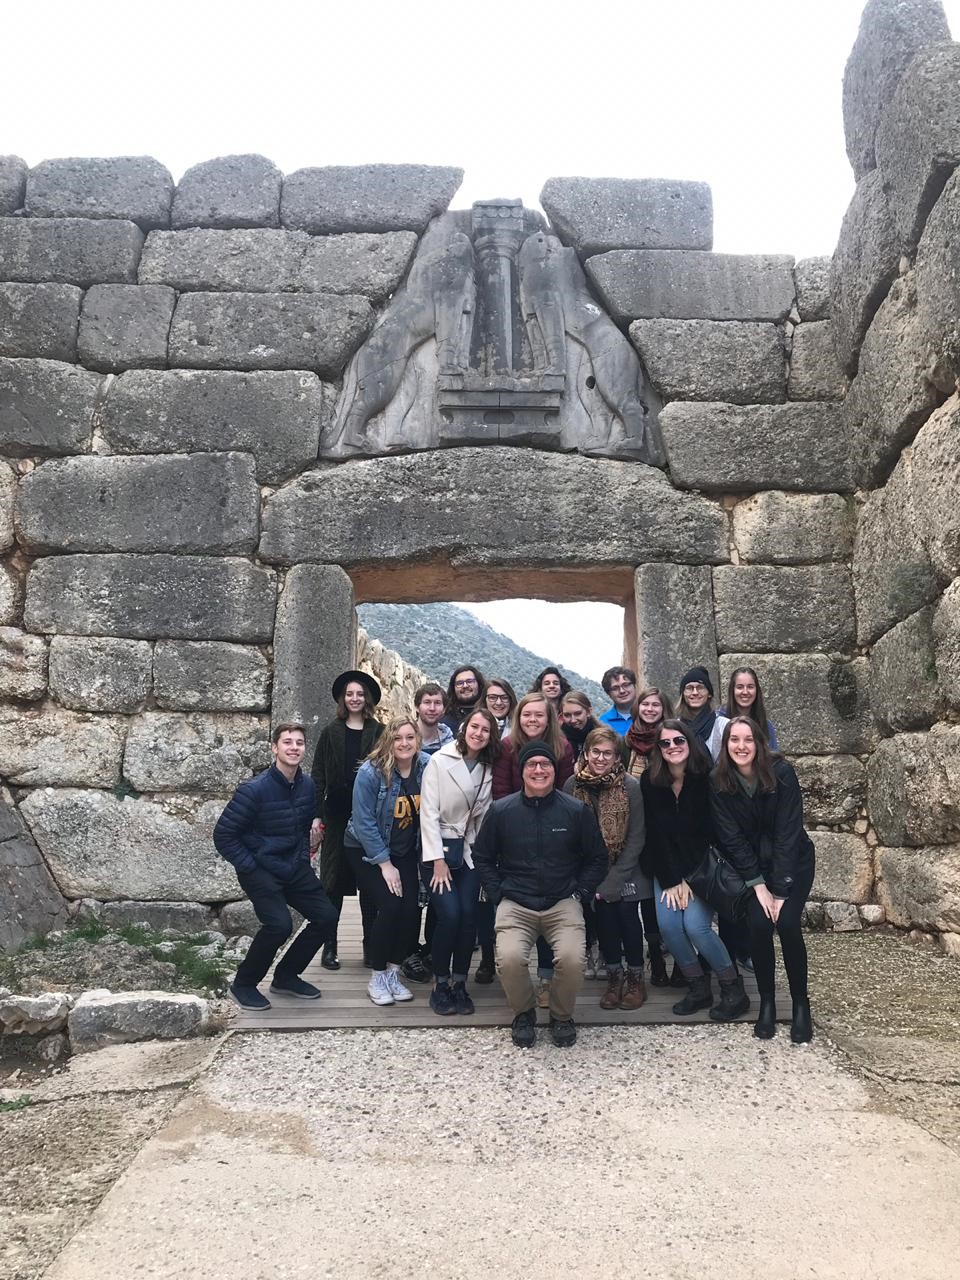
{"x":742,"y":94}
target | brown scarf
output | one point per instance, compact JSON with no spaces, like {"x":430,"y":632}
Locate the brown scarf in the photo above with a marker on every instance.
{"x":607,"y":797}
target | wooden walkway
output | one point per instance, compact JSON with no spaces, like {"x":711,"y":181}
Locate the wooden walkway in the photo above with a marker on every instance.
{"x":345,"y":1002}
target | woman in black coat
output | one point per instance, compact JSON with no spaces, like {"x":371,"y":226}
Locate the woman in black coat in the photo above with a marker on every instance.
{"x":758,"y":817}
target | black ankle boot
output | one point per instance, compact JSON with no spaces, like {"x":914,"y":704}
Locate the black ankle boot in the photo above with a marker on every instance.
{"x":766,"y":1023}
{"x":700,"y":996}
{"x":801,"y":1028}
{"x":734,"y":1001}
{"x":658,"y":966}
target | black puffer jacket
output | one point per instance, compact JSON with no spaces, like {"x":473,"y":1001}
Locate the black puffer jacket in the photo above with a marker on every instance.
{"x":267,"y":823}
{"x":679,"y":828}
{"x":537,"y":851}
{"x":763,"y":834}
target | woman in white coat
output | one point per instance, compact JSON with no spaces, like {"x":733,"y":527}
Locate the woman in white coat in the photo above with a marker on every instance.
{"x":456,"y":792}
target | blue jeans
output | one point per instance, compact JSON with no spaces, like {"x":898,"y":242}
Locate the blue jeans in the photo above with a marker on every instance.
{"x":687,"y":934}
{"x":456,"y":927}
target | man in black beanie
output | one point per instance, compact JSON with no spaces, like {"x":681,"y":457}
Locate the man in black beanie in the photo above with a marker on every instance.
{"x":540,"y":854}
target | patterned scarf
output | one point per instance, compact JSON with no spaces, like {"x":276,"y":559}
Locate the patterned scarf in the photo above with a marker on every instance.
{"x":607,"y":797}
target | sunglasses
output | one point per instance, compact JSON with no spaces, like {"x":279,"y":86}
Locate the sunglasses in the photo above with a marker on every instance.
{"x":666,"y":743}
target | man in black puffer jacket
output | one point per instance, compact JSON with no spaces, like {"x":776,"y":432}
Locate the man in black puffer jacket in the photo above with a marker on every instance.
{"x":267,"y":831}
{"x":540,"y":854}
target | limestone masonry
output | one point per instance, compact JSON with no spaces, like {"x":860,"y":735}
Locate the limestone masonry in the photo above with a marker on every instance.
{"x":232,"y":407}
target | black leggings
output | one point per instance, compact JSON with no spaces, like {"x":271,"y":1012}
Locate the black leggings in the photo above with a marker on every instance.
{"x":389,"y":939}
{"x":619,"y":930}
{"x":791,"y":939}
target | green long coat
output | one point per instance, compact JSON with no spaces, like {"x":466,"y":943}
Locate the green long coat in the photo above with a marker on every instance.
{"x":334,"y":791}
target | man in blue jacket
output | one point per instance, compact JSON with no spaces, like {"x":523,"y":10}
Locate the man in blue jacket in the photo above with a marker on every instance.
{"x":266,"y":832}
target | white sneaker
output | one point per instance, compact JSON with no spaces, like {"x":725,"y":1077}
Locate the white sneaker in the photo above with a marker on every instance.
{"x":395,"y":986}
{"x":378,"y":989}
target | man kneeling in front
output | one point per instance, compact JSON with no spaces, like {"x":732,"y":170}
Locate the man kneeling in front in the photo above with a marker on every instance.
{"x":540,"y":854}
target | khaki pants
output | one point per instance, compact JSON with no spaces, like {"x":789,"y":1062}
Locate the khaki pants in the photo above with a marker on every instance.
{"x":517,"y":930}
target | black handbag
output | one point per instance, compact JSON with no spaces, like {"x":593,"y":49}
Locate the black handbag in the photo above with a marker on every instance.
{"x":721,"y":886}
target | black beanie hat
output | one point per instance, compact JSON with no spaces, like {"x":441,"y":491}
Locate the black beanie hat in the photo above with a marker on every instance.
{"x":537,"y":748}
{"x":696,"y":675}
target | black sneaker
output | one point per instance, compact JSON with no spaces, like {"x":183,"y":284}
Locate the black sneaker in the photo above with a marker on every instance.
{"x":442,"y":1000}
{"x":524,"y":1029}
{"x":563,"y":1033}
{"x":415,"y":969}
{"x":461,"y":999}
{"x":484,"y":975}
{"x":249,"y":997}
{"x":294,"y":986}
{"x":329,"y":959}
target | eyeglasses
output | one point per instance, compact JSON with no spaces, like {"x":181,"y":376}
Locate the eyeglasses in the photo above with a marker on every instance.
{"x":465,"y":684}
{"x":695,"y":687}
{"x":621,"y":684}
{"x":666,"y":743}
{"x":538,"y":765}
{"x":497,"y":697}
{"x":600,"y":755}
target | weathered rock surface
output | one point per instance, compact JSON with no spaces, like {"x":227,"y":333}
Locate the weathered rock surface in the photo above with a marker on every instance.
{"x":372,"y":265}
{"x":864,"y":265}
{"x":185,"y":917}
{"x":170,"y":752}
{"x":891,"y":32}
{"x":914,"y":787}
{"x":23,"y":665}
{"x":198,"y":503}
{"x":39,"y":320}
{"x":815,"y":372}
{"x":99,"y":1018}
{"x":349,"y":514}
{"x":13,"y":184}
{"x":918,"y":141}
{"x":100,"y":673}
{"x":812,"y":277}
{"x":374,"y":197}
{"x":674,"y":619}
{"x":844,"y":867}
{"x":30,"y":1015}
{"x":793,"y":528}
{"x":819,"y":704}
{"x":920,"y":888}
{"x":86,"y":838}
{"x":11,"y":596}
{"x":137,"y":188}
{"x":725,"y":447}
{"x":737,"y":361}
{"x":872,"y":913}
{"x":783,"y":610}
{"x":276,"y":417}
{"x":834,"y":788}
{"x":688,"y":285}
{"x":317,"y":331}
{"x":46,"y":407}
{"x":936,"y":484}
{"x":47,"y":746}
{"x":211,"y":676}
{"x":180,"y":597}
{"x":69,"y":251}
{"x":938,"y":275}
{"x":842,"y":917}
{"x":904,"y":686}
{"x":597,"y":214}
{"x":123,"y":326}
{"x":30,"y":902}
{"x":946,"y":638}
{"x":239,"y":920}
{"x":231,"y":191}
{"x":8,"y":488}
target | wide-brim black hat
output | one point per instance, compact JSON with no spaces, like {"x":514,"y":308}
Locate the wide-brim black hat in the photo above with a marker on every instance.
{"x":361,"y":677}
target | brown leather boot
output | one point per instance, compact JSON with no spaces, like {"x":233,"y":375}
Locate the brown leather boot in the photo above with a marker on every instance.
{"x":634,"y":991}
{"x":611,"y":997}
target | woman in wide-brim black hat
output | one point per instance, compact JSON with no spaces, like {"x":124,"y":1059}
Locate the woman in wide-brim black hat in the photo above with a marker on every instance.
{"x":342,"y":747}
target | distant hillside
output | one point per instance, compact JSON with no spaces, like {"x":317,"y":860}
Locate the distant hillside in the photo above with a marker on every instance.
{"x":439,"y":637}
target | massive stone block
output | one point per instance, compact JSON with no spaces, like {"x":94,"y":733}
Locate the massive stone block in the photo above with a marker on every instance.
{"x":946,"y":638}
{"x":936,"y":486}
{"x":597,"y":214}
{"x":812,"y":278}
{"x":276,"y":417}
{"x":783,"y":610}
{"x":100,"y":673}
{"x":46,"y":407}
{"x":231,"y":191}
{"x":318,"y":331}
{"x":349,"y":514}
{"x":181,"y":597}
{"x":737,"y":361}
{"x":913,"y":786}
{"x":312,"y":646}
{"x":864,"y":265}
{"x":198,"y":503}
{"x":723,"y":447}
{"x":30,"y":902}
{"x":11,"y":596}
{"x":69,"y":251}
{"x":904,"y":687}
{"x":938,"y":275}
{"x":818,"y":703}
{"x":13,"y":184}
{"x":920,"y":888}
{"x":891,"y":32}
{"x":844,"y":868}
{"x":918,"y":142}
{"x":86,"y":838}
{"x":252,"y":261}
{"x":100,"y":1019}
{"x":170,"y":752}
{"x":210,"y":676}
{"x":834,"y":788}
{"x":8,"y":488}
{"x":373,"y":197}
{"x":49,"y":747}
{"x":674,"y":618}
{"x":815,"y":372}
{"x":185,"y":917}
{"x":23,"y":665}
{"x":123,"y":326}
{"x":39,"y":320}
{"x":686,"y":285}
{"x":793,"y":528}
{"x":369,"y":264}
{"x":136,"y":188}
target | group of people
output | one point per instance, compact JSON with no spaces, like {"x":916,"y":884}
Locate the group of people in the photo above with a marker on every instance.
{"x":531,"y":821}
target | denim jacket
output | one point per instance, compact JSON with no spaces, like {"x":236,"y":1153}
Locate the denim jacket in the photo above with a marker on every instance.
{"x":371,"y":823}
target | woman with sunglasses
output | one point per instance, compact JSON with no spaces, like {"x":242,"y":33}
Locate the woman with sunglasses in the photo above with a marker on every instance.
{"x":676,"y":801}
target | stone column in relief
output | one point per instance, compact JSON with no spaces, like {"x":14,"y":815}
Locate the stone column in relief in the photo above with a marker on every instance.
{"x":315,"y":639}
{"x":675,"y":626}
{"x":498,"y":232}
